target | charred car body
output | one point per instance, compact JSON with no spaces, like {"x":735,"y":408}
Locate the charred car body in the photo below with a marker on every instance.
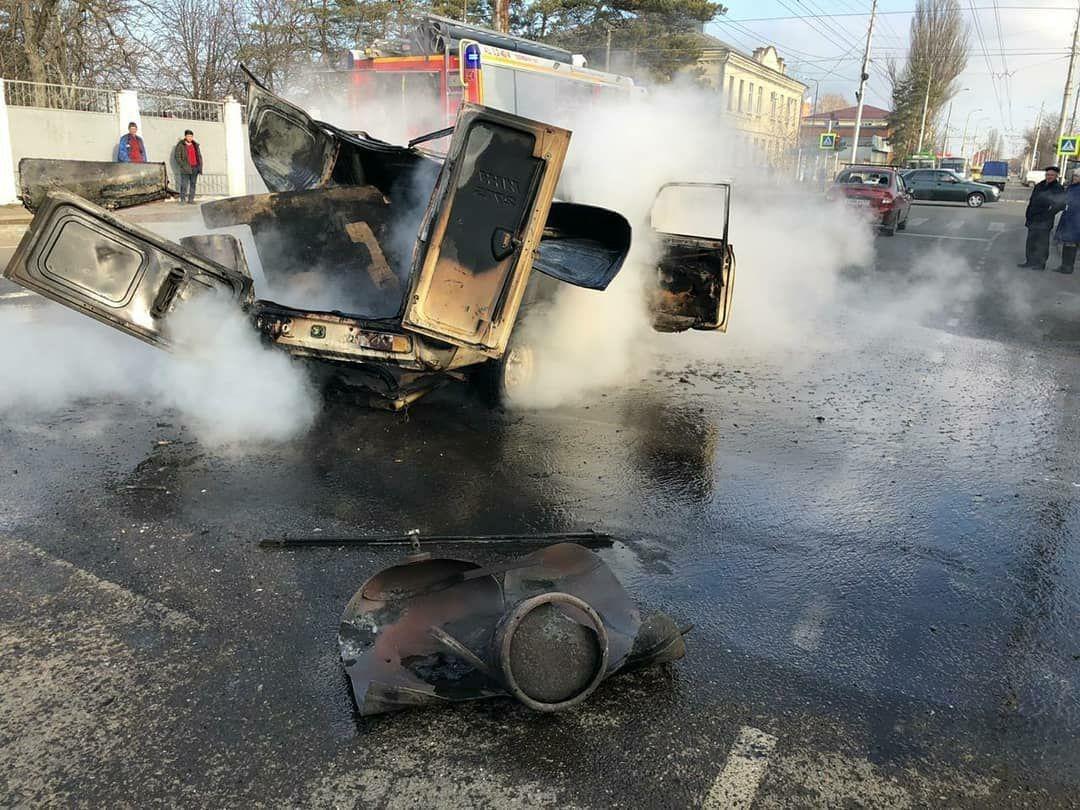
{"x":429,"y":258}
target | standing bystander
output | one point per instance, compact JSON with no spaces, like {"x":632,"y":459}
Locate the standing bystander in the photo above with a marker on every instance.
{"x":131,"y":148}
{"x":1047,"y":199}
{"x":189,"y":165}
{"x":1068,"y":229}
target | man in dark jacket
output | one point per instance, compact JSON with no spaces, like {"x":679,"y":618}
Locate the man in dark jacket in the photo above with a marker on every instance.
{"x":189,"y":165}
{"x":131,"y":148}
{"x":1047,"y":199}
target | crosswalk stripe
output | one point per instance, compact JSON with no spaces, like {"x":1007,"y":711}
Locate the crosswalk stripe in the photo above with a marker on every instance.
{"x":917,"y":221}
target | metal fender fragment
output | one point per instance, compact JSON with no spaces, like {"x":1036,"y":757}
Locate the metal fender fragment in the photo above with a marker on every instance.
{"x":545,"y":628}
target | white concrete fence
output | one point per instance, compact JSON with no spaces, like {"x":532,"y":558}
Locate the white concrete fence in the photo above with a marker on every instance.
{"x":85,"y":123}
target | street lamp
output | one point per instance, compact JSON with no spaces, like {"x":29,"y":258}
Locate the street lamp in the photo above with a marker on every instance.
{"x":948,"y":118}
{"x":963,"y":138}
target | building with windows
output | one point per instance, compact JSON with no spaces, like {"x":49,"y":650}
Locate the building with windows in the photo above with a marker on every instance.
{"x":762,"y":103}
{"x":874,"y":133}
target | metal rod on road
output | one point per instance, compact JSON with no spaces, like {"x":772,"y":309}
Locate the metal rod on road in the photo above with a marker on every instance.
{"x":862,"y":84}
{"x":1068,"y":88}
{"x":591,"y":539}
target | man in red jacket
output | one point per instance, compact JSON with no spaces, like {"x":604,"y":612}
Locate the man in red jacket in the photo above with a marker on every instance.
{"x":189,"y":165}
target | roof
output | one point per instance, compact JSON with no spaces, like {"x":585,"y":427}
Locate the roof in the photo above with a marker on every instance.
{"x":868,"y":111}
{"x":708,"y":42}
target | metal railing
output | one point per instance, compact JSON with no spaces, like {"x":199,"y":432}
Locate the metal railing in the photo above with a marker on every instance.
{"x":20,"y":93}
{"x":193,"y":109}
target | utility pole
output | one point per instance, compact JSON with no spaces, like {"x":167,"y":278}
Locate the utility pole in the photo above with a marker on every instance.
{"x":1035,"y":145}
{"x":607,"y":49}
{"x":963,"y":138}
{"x":945,"y":140}
{"x":925,"y":105}
{"x":862,"y":84}
{"x":1068,"y":89}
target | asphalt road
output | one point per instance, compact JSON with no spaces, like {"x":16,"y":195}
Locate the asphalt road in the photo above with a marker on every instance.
{"x":873,"y":528}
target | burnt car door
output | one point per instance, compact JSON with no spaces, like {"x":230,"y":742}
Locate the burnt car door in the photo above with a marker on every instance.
{"x":292,"y":152}
{"x":482,"y":227}
{"x":79,"y":255}
{"x":695,"y":267}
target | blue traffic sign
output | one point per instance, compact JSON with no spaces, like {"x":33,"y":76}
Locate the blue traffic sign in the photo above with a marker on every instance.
{"x":1069,"y":145}
{"x":828,"y":140}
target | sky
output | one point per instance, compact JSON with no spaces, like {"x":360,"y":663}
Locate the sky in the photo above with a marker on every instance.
{"x":1023,"y":64}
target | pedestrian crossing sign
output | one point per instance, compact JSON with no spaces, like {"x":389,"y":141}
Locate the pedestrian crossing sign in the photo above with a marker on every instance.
{"x":1069,"y":145}
{"x":828,"y":140}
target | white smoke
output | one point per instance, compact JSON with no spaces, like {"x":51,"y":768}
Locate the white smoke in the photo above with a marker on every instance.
{"x":228,"y":388}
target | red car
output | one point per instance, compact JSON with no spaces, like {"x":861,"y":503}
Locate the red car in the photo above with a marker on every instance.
{"x":879,"y":191}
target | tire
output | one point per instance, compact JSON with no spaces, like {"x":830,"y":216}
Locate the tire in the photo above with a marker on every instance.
{"x":503,"y":381}
{"x":975,"y":199}
{"x":890,"y":230}
{"x":902,"y":226}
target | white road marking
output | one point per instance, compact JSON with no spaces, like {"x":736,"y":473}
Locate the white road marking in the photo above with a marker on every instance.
{"x":917,"y":221}
{"x":997,"y":227}
{"x":13,"y":295}
{"x":737,"y":784}
{"x":174,"y":617}
{"x":944,"y":236}
{"x":954,"y":224}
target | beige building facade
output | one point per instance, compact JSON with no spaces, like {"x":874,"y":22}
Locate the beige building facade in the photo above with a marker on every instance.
{"x":762,"y":103}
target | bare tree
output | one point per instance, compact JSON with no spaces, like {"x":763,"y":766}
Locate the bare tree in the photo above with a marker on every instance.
{"x":831,"y":101}
{"x":69,"y":41}
{"x":272,"y":37}
{"x":196,"y":47}
{"x":937,"y":55}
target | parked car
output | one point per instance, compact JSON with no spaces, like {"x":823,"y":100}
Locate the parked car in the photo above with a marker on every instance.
{"x":941,"y":185}
{"x":426,"y":259}
{"x":995,"y":173}
{"x":879,"y":191}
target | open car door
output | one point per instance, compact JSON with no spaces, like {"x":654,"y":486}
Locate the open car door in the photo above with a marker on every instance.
{"x":83,"y":257}
{"x":292,"y":152}
{"x":482,"y":227}
{"x":695,"y":270}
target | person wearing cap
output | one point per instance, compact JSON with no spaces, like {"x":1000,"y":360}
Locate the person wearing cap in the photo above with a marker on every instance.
{"x":1047,"y":199}
{"x":189,"y":165}
{"x":131,"y":148}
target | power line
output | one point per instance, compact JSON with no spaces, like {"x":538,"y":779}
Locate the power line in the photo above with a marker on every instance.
{"x":897,"y":13}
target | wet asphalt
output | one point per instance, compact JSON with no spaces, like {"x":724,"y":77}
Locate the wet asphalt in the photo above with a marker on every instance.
{"x":876,"y":540}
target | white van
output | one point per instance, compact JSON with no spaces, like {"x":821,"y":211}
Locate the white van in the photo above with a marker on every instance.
{"x":1033,"y":177}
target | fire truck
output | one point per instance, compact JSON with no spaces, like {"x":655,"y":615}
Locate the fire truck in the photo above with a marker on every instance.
{"x":448,"y":62}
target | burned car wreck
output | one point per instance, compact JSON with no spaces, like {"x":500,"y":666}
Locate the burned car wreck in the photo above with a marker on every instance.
{"x":395,"y":268}
{"x":546,"y":629}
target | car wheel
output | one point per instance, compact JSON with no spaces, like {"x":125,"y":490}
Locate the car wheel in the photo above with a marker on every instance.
{"x":889,"y":230}
{"x":975,"y":199}
{"x":505,"y":381}
{"x":902,"y":226}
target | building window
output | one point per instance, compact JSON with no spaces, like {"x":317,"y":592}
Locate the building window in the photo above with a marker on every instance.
{"x":772,"y":99}
{"x":760,"y":96}
{"x":750,"y":100}
{"x":791,"y":109}
{"x":730,"y":92}
{"x":742,"y":85}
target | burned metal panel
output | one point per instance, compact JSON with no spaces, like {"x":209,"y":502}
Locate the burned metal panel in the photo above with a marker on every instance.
{"x":694,"y":285}
{"x":481,"y":230}
{"x":350,"y":240}
{"x":695,"y":272}
{"x":81,"y":256}
{"x":105,"y":183}
{"x":546,"y":628}
{"x":583,"y":245}
{"x":333,"y":336}
{"x":292,"y":151}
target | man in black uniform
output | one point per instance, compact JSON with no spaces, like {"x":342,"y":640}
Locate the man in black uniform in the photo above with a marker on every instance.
{"x":1047,"y":199}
